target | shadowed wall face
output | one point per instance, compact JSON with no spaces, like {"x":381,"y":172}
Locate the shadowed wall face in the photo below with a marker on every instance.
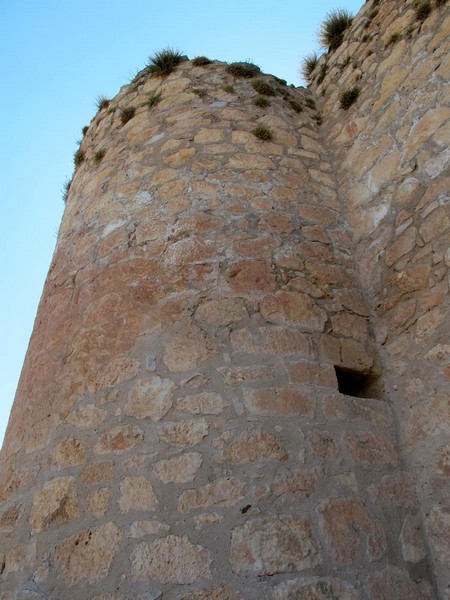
{"x":392,"y":149}
{"x":178,"y":425}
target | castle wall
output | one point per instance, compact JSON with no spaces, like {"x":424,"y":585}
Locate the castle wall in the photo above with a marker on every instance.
{"x":392,"y":155}
{"x":178,"y":430}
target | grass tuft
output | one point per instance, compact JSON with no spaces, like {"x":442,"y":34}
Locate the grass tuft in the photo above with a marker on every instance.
{"x":85,"y":129}
{"x":152,"y":100}
{"x":99,"y":156}
{"x":163,"y":62}
{"x":322,"y":73}
{"x":423,"y":9}
{"x":395,"y":37}
{"x":66,"y":189}
{"x":78,"y":157}
{"x":243,"y":69}
{"x":262,"y":87}
{"x":261,"y":102}
{"x":282,"y":82}
{"x":201,"y":61}
{"x":318,"y":119}
{"x":349,"y":97}
{"x":200,"y":92}
{"x":309,"y":63}
{"x":331,"y":32}
{"x":102,"y":102}
{"x":294,"y":104}
{"x":440,"y":3}
{"x":309,"y":102}
{"x":229,"y":89}
{"x":126,"y":114}
{"x":262,"y":133}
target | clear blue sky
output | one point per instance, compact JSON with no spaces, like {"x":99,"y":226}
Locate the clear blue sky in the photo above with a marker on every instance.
{"x":57,"y":56}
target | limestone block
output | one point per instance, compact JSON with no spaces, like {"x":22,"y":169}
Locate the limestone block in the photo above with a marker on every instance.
{"x":180,"y":469}
{"x":411,"y":539}
{"x":137,"y":495}
{"x":98,"y":472}
{"x":345,"y":408}
{"x":394,"y":490}
{"x":86,"y":417}
{"x":345,"y":522}
{"x":118,"y":370}
{"x":369,"y":449}
{"x":265,"y":546}
{"x":315,"y":589}
{"x":17,"y":559}
{"x":55,"y":502}
{"x":150,"y":398}
{"x":140,"y":529}
{"x":68,"y":453}
{"x":206,"y":403}
{"x":171,"y":559}
{"x":438,"y":523}
{"x":119,"y":439}
{"x":392,"y":582}
{"x":223,"y":492}
{"x":221,"y":312}
{"x":293,"y":308}
{"x":323,"y":444}
{"x":10,"y":516}
{"x":183,"y":433}
{"x":253,"y":447}
{"x":186,"y":351}
{"x":87,"y":557}
{"x":249,"y":276}
{"x":300,"y":483}
{"x":222,"y":592}
{"x":98,"y":502}
{"x":280,"y":401}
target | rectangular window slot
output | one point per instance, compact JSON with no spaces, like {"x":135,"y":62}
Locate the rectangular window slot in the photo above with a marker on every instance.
{"x":357,"y":384}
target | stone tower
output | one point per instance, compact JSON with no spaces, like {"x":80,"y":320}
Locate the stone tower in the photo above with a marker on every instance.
{"x":235,"y":387}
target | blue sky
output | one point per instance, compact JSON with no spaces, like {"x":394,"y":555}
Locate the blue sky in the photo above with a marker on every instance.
{"x":57,"y":56}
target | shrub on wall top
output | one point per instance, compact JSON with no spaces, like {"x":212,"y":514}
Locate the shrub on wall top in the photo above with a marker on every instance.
{"x":163,"y":62}
{"x":331,"y":32}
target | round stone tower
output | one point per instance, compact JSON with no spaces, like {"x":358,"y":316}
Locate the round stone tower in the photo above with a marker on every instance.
{"x":196,"y":415}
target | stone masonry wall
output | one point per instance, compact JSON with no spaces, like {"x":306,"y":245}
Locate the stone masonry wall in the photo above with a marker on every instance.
{"x":391,"y":149}
{"x":178,"y":428}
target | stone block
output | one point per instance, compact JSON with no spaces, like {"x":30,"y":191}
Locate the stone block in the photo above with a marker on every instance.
{"x":179,"y":469}
{"x":186,"y":351}
{"x":345,"y":522}
{"x":223,"y":492}
{"x":87,"y":557}
{"x":119,"y":439}
{"x":150,"y":398}
{"x":171,"y":559}
{"x":293,"y":308}
{"x":315,"y":589}
{"x":206,"y":403}
{"x":280,"y":401}
{"x":253,"y":447}
{"x":265,"y":546}
{"x":370,"y":449}
{"x":183,"y":433}
{"x":55,"y":502}
{"x":137,"y":495}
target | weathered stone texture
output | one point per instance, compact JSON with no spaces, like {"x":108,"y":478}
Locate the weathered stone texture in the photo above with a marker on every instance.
{"x":180,"y":428}
{"x":55,"y":502}
{"x":87,"y":557}
{"x":170,"y":560}
{"x":273,"y":545}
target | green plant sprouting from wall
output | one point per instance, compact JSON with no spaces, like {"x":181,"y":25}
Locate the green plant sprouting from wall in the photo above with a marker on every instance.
{"x":163,"y":62}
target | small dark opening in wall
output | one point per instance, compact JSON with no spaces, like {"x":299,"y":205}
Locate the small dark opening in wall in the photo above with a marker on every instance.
{"x":355,"y":383}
